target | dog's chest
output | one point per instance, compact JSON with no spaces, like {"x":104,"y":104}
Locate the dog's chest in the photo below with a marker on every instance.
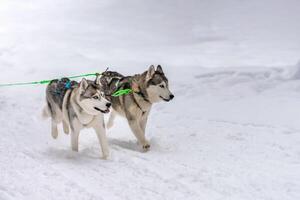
{"x":86,"y":119}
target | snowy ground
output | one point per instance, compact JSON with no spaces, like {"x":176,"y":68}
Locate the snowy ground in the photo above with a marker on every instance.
{"x":232,"y":131}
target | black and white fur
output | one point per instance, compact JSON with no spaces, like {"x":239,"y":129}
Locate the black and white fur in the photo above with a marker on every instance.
{"x":149,"y":87}
{"x":78,"y":107}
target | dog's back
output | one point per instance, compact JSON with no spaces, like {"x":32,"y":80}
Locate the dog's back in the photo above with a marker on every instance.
{"x":55,"y":94}
{"x":112,"y":82}
{"x":109,"y":81}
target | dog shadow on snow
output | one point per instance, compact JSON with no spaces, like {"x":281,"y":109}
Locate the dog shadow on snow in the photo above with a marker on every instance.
{"x":67,"y":154}
{"x":133,"y":145}
{"x":129,"y":145}
{"x":94,"y":151}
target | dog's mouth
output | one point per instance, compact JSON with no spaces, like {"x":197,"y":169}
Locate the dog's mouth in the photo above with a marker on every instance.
{"x":167,"y":100}
{"x":103,"y":111}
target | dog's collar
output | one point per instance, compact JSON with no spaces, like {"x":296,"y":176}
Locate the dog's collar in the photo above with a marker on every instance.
{"x":141,"y":94}
{"x":136,"y":102}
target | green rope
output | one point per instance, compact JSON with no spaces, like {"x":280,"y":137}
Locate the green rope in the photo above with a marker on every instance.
{"x":116,"y":94}
{"x":84,"y":75}
{"x":121,"y":92}
{"x":46,"y":81}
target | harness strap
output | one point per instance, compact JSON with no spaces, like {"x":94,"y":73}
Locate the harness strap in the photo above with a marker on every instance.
{"x":117,"y":83}
{"x":143,"y":96}
{"x":68,"y":85}
{"x":118,"y":90}
{"x":138,"y":105}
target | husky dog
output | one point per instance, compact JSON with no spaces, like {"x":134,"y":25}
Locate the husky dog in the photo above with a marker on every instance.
{"x":148,"y":88}
{"x":77,"y":106}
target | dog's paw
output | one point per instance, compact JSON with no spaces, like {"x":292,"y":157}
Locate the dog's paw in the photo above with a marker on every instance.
{"x":74,"y":148}
{"x":54,"y":133}
{"x":105,"y":156}
{"x":146,"y":147}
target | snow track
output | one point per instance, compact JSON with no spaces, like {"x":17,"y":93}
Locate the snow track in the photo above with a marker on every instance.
{"x":219,"y":146}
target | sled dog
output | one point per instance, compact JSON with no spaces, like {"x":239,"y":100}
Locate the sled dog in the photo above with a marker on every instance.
{"x":148,"y":88}
{"x":77,"y":106}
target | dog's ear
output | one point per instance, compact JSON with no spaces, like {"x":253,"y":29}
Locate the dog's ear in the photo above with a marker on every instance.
{"x":159,"y":69}
{"x":150,"y":73}
{"x":97,"y":81}
{"x":83,"y":84}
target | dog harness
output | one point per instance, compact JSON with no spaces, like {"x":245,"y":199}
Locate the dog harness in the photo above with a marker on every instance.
{"x":115,"y":82}
{"x":63,"y":85}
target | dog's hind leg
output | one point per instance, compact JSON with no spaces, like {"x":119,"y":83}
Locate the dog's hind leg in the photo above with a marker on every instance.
{"x":46,"y":112}
{"x":66,"y":127}
{"x":111,"y":119}
{"x":65,"y":114}
{"x":54,"y":130}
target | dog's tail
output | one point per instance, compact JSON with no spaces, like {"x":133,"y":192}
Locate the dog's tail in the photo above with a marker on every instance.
{"x":46,"y":112}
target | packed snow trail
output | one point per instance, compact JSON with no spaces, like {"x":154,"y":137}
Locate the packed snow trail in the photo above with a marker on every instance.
{"x":223,"y":142}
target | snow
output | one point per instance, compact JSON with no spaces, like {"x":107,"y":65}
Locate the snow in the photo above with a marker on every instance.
{"x":232,"y":131}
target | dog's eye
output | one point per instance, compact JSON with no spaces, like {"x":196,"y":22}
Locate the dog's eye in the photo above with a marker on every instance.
{"x":162,"y":86}
{"x":96,"y":97}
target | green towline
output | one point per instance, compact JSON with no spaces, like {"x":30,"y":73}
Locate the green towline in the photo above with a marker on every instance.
{"x":42,"y":82}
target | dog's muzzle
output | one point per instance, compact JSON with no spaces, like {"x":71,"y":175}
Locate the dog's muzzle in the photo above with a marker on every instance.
{"x":103,"y":111}
{"x":167,"y":100}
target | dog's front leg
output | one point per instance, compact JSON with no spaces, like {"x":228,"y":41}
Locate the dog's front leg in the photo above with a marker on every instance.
{"x":101,"y":134}
{"x":75,"y":134}
{"x":143,"y":121}
{"x":139,"y":133}
{"x":111,"y":119}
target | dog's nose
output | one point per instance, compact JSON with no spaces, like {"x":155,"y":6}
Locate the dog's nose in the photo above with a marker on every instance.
{"x":108,"y":105}
{"x":171,"y":96}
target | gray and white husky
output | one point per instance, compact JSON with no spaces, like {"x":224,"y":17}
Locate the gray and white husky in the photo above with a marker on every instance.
{"x":77,"y":106}
{"x":148,"y":88}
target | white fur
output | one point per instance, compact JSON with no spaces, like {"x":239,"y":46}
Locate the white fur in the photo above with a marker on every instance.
{"x":157,"y":93}
{"x":87,"y":117}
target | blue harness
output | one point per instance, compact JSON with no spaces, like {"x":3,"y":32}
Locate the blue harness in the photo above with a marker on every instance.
{"x":63,"y":85}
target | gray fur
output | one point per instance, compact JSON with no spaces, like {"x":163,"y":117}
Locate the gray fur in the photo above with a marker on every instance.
{"x":149,"y":87}
{"x":80,"y":106}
